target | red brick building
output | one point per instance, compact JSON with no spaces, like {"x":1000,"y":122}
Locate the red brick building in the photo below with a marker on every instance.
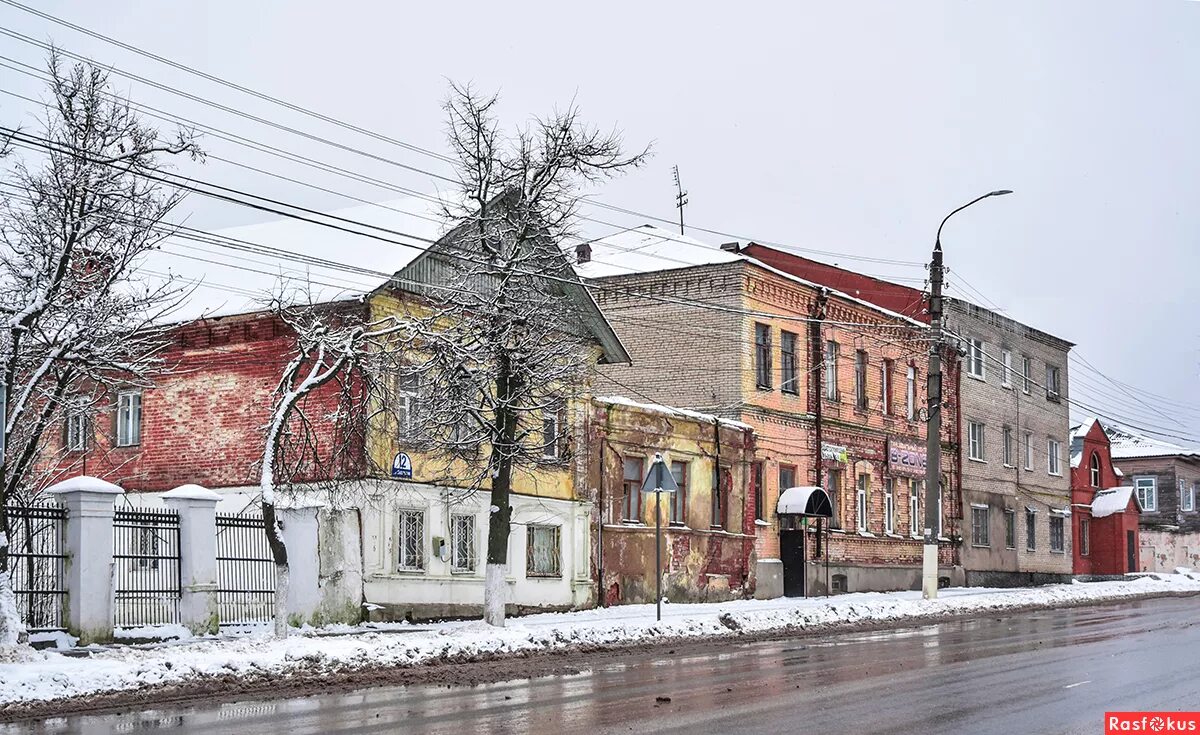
{"x":1106,"y":514}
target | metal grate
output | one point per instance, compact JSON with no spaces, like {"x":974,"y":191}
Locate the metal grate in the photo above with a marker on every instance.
{"x":146,"y":567}
{"x":245,"y":570}
{"x":412,"y":541}
{"x":462,"y":544}
{"x":37,"y":561}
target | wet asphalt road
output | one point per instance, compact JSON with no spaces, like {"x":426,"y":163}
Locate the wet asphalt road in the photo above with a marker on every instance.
{"x":1047,"y":672}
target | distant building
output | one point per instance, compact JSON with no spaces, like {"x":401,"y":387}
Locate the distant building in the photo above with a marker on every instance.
{"x":1166,"y":479}
{"x":1104,"y":510}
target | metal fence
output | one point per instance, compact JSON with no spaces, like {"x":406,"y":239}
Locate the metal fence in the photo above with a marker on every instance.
{"x":37,"y":559}
{"x":245,"y":570}
{"x":146,"y":567}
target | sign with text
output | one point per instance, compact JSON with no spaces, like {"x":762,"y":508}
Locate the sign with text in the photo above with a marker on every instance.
{"x":402,"y":466}
{"x":1151,"y":722}
{"x":906,"y":459}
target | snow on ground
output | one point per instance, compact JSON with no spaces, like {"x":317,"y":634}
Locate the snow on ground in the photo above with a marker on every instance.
{"x":43,"y":676}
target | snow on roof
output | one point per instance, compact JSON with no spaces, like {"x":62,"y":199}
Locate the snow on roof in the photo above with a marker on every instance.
{"x":672,"y":411}
{"x":1128,"y":444}
{"x":646,"y":249}
{"x":87,"y":483}
{"x":1113,"y":500}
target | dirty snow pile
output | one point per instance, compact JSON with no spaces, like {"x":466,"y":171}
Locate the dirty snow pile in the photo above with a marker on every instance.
{"x":44,"y":676}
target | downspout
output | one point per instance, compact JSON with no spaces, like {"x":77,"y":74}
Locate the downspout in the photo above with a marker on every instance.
{"x":603,"y":598}
{"x":818,"y":385}
{"x":958,"y":466}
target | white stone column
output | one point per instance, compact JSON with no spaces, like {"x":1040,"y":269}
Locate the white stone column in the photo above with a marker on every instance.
{"x":197,"y":509}
{"x":89,"y":546}
{"x":299,"y":533}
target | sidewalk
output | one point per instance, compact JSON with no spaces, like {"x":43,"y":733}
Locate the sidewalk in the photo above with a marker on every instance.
{"x":28,"y":676}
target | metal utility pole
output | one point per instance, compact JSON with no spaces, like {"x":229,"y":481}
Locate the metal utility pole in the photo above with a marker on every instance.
{"x":933,"y":427}
{"x":680,"y":197}
{"x":658,"y":480}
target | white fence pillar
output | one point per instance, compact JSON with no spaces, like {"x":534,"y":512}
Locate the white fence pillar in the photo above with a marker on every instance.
{"x":299,"y":532}
{"x":197,"y":509}
{"x":89,"y":574}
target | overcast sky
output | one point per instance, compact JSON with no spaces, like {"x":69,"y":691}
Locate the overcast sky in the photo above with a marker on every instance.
{"x":851,"y":127}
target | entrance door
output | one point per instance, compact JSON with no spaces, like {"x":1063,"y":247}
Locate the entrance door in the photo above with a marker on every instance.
{"x":1130,"y":552}
{"x":791,"y":549}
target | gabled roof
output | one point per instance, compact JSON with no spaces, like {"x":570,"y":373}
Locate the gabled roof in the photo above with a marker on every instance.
{"x":1113,"y":500}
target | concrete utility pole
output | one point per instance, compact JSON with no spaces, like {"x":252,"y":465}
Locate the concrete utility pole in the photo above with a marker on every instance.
{"x":933,"y":426}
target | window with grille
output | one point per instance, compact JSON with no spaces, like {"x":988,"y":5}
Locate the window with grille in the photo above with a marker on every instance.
{"x":787,"y":363}
{"x":77,"y":431}
{"x":980,"y":535}
{"x":679,"y":471}
{"x":831,"y":370}
{"x":631,"y":487}
{"x":1010,"y":529}
{"x":1030,"y":530}
{"x":542,"y":558}
{"x":129,"y":419}
{"x":462,"y":544}
{"x":860,"y":379}
{"x":411,"y":557}
{"x":762,"y":355}
{"x":1056,"y":534}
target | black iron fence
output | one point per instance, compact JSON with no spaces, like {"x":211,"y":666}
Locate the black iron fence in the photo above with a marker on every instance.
{"x":37,"y":561}
{"x":146,"y":567}
{"x":245,"y":570}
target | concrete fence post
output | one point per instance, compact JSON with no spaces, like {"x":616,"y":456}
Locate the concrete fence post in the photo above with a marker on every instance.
{"x":89,"y":547}
{"x":299,"y":532}
{"x":197,"y":509}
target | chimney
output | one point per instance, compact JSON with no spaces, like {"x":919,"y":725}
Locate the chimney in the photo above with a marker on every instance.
{"x":731,"y":247}
{"x":583,"y":252}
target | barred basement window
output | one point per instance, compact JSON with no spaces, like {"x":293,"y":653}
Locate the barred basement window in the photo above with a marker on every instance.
{"x":542,"y":551}
{"x":462,"y":544}
{"x":411,"y":557}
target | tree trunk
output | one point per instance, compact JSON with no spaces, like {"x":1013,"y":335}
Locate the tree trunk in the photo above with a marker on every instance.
{"x":282,"y":580}
{"x":500,"y":515}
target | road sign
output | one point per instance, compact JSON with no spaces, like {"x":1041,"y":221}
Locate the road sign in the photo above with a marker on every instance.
{"x":402,"y":466}
{"x":659,"y":479}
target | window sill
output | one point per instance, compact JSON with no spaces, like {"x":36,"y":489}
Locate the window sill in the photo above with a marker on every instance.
{"x":1054,"y":474}
{"x":1010,"y":548}
{"x":764,"y":388}
{"x":981,"y":546}
{"x":980,"y":378}
{"x":1008,"y":466}
{"x":787,"y":392}
{"x":974,"y":459}
{"x":679,"y":526}
{"x":837,"y":530}
{"x":893,"y":535}
{"x":866,"y":534}
{"x":553,"y":577}
{"x":760,"y":522}
{"x":1060,"y":551}
{"x":410,"y":572}
{"x":628,"y":522}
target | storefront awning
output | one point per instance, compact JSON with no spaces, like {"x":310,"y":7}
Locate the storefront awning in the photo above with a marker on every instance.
{"x":808,"y":501}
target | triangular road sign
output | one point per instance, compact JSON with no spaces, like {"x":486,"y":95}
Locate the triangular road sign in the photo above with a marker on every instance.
{"x":659,"y":478}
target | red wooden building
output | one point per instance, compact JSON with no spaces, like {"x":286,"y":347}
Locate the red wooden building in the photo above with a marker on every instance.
{"x":1105,"y":513}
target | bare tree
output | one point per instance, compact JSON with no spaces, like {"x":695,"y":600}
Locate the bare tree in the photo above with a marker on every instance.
{"x":506,"y":343}
{"x":77,"y":216}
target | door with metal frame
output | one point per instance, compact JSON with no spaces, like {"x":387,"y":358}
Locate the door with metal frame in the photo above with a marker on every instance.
{"x":791,"y":551}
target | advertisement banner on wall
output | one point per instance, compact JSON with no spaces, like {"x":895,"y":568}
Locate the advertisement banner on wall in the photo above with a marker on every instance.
{"x":906,"y":459}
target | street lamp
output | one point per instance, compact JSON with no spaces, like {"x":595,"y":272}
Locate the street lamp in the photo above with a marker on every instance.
{"x":933,"y":427}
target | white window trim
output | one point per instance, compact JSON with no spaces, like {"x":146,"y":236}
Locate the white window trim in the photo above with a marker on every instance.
{"x":1151,"y":495}
{"x":1006,"y":369}
{"x":422,"y":543}
{"x":550,"y":446}
{"x":1029,"y":451}
{"x":1007,"y":436}
{"x":914,"y":509}
{"x":976,"y":451}
{"x":975,"y":344}
{"x":1053,"y":457}
{"x":889,"y":507}
{"x":862,"y":504}
{"x":1190,"y":494}
{"x":987,"y":530}
{"x":124,"y":416}
{"x":1026,"y":373}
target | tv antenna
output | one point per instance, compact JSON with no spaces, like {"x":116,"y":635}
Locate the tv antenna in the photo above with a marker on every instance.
{"x":680,"y":197}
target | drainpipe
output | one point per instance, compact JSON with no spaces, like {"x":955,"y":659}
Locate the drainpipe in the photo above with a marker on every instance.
{"x":603,"y":598}
{"x":818,"y":385}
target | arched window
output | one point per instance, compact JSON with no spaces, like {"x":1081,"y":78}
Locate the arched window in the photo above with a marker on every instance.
{"x":1095,"y":469}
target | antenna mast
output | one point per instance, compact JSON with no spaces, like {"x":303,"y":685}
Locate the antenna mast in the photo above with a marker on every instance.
{"x":680,"y":197}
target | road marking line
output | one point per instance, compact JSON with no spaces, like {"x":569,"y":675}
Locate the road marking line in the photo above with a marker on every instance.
{"x":1078,"y":683}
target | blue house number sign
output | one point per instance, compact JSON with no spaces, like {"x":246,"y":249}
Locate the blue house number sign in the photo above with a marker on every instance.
{"x":402,"y":466}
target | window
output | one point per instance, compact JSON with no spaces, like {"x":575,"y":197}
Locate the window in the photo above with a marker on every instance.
{"x":833,"y":484}
{"x":914,"y":506}
{"x":462,"y":544}
{"x":1094,"y":466}
{"x":787,"y":477}
{"x":1010,"y":529}
{"x":1029,"y":451}
{"x":1030,"y":529}
{"x":78,"y":429}
{"x":979,"y":526}
{"x":889,"y":507}
{"x":631,"y":485}
{"x":679,"y":470}
{"x":975,"y":440}
{"x":940,"y":513}
{"x":1085,"y":544}
{"x":911,"y":393}
{"x":1187,"y":497}
{"x":860,"y":379}
{"x":721,"y":482}
{"x":1008,"y":447}
{"x":762,"y":355}
{"x":407,"y":398}
{"x":541,"y":551}
{"x":1147,"y":492}
{"x":787,"y":363}
{"x":756,"y":477}
{"x":839,"y":584}
{"x":862,"y":502}
{"x":411,"y":556}
{"x":1053,"y":457}
{"x":1056,"y":534}
{"x":831,"y":370}
{"x":1026,"y":373}
{"x":550,"y":436}
{"x":129,"y":419}
{"x":885,"y":386}
{"x":1006,"y":368}
{"x":1052,"y":385}
{"x":975,"y":358}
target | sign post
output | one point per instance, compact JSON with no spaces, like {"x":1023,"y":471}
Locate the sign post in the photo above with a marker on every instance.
{"x":658,"y":480}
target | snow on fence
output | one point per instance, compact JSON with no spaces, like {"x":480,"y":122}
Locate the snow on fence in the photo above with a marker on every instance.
{"x":37,"y":558}
{"x":146,"y":567}
{"x":245,"y":570}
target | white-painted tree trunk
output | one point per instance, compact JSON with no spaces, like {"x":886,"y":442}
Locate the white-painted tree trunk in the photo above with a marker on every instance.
{"x":282,"y":582}
{"x":495,"y":593}
{"x":11,"y":626}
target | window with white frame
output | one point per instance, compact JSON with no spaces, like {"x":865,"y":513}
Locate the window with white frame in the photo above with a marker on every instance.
{"x":980,"y":516}
{"x":542,"y":551}
{"x":1029,"y":450}
{"x":1006,"y":368}
{"x":1053,"y":457}
{"x":550,"y":437}
{"x":1052,"y":383}
{"x":885,"y":386}
{"x":1147,"y":492}
{"x":975,"y":367}
{"x":1030,"y":529}
{"x":1008,"y":447}
{"x":860,"y":379}
{"x":407,"y":398}
{"x":1026,"y":373}
{"x":1057,"y":536}
{"x":411,"y":541}
{"x":787,"y":362}
{"x":975,"y":440}
{"x":678,"y":515}
{"x":762,"y":355}
{"x":911,"y":393}
{"x":1187,"y":497}
{"x":462,"y":544}
{"x":1094,"y":469}
{"x":78,"y":429}
{"x":862,"y":502}
{"x":889,"y":506}
{"x":831,"y":370}
{"x":129,"y":418}
{"x":914,"y":507}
